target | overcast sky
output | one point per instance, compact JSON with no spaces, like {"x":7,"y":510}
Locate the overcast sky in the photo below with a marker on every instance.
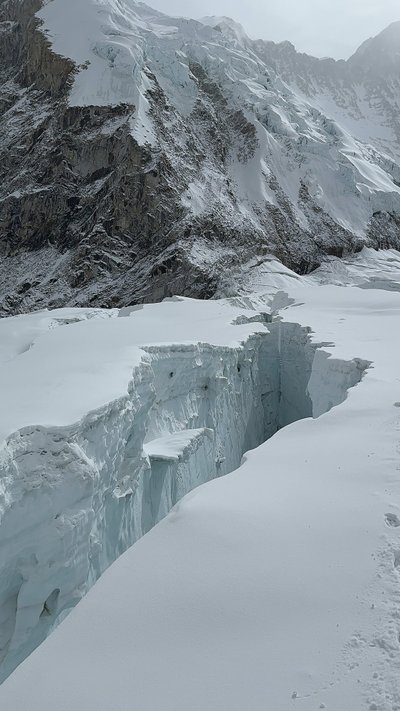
{"x":322,"y":27}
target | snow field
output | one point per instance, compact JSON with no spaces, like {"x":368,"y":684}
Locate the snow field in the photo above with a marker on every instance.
{"x":275,"y":586}
{"x":108,"y":457}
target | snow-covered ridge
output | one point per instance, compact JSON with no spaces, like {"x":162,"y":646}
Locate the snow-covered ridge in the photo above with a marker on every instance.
{"x":228,"y":27}
{"x":111,"y":44}
{"x":380,"y":54}
{"x":112,"y":420}
{"x":332,"y":137}
{"x":165,"y":153}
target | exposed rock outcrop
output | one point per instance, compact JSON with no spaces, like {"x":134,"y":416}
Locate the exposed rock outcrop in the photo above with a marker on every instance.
{"x":90,"y":214}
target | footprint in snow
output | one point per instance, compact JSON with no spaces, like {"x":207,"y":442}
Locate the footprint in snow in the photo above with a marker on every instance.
{"x":392,"y":520}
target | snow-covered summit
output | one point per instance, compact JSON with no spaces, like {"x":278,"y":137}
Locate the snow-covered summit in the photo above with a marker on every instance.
{"x":379,"y":54}
{"x":228,"y":27}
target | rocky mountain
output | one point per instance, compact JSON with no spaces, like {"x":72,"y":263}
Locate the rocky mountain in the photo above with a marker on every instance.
{"x":379,"y":55}
{"x":144,"y":156}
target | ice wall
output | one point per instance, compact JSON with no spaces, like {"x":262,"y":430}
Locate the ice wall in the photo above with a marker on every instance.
{"x":76,"y":497}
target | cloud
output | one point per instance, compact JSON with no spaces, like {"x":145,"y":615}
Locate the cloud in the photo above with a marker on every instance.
{"x":321,"y":27}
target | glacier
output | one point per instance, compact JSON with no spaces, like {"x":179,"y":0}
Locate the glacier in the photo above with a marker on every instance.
{"x":199,"y":500}
{"x":275,"y":585}
{"x":114,"y":416}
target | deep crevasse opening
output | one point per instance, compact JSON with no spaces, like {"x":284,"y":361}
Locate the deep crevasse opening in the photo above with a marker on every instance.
{"x":91,"y":490}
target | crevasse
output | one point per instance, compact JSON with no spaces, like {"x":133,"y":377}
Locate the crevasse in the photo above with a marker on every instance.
{"x":81,"y":495}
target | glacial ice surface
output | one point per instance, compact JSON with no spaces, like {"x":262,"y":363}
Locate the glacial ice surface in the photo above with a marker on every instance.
{"x":113,"y":417}
{"x":276,"y":586}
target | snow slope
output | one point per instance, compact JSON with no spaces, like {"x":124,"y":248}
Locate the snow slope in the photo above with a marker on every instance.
{"x":112,"y":417}
{"x":127,"y":412}
{"x":368,"y":270}
{"x":300,"y":138}
{"x":275,"y":586}
{"x":147,"y":156}
{"x":83,"y":394}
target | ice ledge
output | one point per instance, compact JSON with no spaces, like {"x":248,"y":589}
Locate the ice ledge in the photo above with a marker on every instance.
{"x":176,"y":446}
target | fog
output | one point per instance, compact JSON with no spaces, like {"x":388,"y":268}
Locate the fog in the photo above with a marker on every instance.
{"x":322,"y":27}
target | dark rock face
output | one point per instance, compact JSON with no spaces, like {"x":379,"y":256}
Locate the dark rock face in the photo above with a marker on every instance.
{"x":90,"y":217}
{"x":73,"y":179}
